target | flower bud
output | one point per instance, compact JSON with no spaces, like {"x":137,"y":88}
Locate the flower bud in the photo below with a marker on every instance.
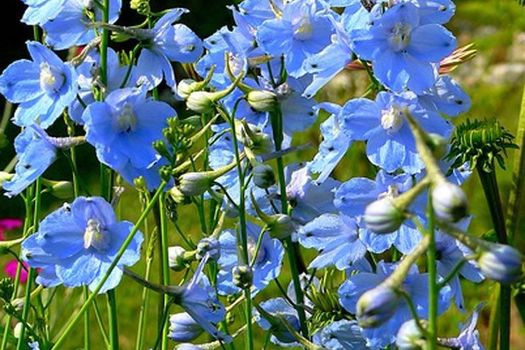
{"x":501,"y":263}
{"x":280,"y":226}
{"x":183,"y":328}
{"x":382,"y":216}
{"x":186,"y":86}
{"x":177,"y":258}
{"x":253,"y":138}
{"x":409,"y":336}
{"x":449,"y":202}
{"x":210,"y":246}
{"x":194,"y":183}
{"x":262,"y":100}
{"x":242,"y":276}
{"x":5,"y":177}
{"x":61,"y":189}
{"x":438,"y":144}
{"x":176,"y":195}
{"x":200,"y":101}
{"x":376,"y":306}
{"x":17,"y":331}
{"x":263,"y":176}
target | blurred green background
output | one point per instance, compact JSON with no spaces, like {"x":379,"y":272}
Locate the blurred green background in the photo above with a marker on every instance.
{"x":494,"y":79}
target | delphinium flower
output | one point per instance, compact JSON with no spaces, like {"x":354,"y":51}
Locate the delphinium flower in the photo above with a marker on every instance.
{"x":415,"y":285}
{"x":341,"y":335}
{"x":403,"y":50}
{"x":71,"y":27}
{"x":88,"y":76}
{"x":450,"y":252}
{"x":353,"y":196}
{"x":43,"y":87}
{"x":447,"y":97}
{"x":331,"y":60}
{"x":267,"y":259}
{"x":35,"y":153}
{"x":335,"y":142}
{"x":336,"y":237}
{"x":279,"y":307}
{"x":41,"y":11}
{"x":303,"y":28}
{"x":468,"y":338}
{"x":167,"y":42}
{"x":123,"y":127}
{"x":77,"y":243}
{"x":183,"y":328}
{"x":390,"y":143}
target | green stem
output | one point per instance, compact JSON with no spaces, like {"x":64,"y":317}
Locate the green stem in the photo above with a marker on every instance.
{"x":432,"y":280}
{"x":292,"y":252}
{"x":87,"y":325}
{"x":71,"y":324}
{"x":113,"y":319}
{"x":31,"y":275}
{"x":490,"y":188}
{"x":104,"y":45}
{"x":164,"y":262}
{"x":516,"y":194}
{"x":494,"y":317}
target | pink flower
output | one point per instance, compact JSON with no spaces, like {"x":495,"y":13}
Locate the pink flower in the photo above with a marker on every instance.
{"x":8,"y":224}
{"x":11,"y":267}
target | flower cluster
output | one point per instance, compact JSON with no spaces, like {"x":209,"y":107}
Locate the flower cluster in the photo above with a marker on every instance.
{"x":247,"y":93}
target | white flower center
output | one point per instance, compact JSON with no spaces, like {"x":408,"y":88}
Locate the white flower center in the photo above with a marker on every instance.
{"x":392,"y":119}
{"x":302,"y":29}
{"x":51,"y":79}
{"x":127,"y":120}
{"x":400,"y":37}
{"x":391,"y":192}
{"x":94,"y":236}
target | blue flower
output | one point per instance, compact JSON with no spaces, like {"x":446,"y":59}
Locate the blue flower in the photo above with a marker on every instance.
{"x":40,"y":259}
{"x":447,"y":97}
{"x":199,"y":300}
{"x":41,"y":11}
{"x":341,"y":335}
{"x":415,"y":285}
{"x":353,"y":196}
{"x":266,"y":266}
{"x":280,"y":335}
{"x":336,"y":237}
{"x":390,"y":143}
{"x":35,"y":154}
{"x":335,"y":142}
{"x":167,"y":42}
{"x":403,"y":50}
{"x":301,"y":31}
{"x":80,"y":241}
{"x":183,"y":328}
{"x":87,"y":75}
{"x":468,"y":338}
{"x":123,"y":128}
{"x":71,"y":27}
{"x":43,"y":87}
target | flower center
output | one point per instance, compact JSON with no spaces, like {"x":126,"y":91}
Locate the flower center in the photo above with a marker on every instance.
{"x":391,"y":192}
{"x":127,"y":120}
{"x":283,"y":90}
{"x":400,"y":37}
{"x":94,"y":236}
{"x":392,"y":119}
{"x":303,"y":29}
{"x":51,"y":79}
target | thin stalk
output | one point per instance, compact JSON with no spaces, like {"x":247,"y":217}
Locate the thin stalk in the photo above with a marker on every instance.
{"x":71,"y":324}
{"x":276,"y":120}
{"x":490,"y":188}
{"x":104,"y":44}
{"x":113,"y":320}
{"x":31,"y":275}
{"x":87,"y":325}
{"x":493,"y":320}
{"x":100,"y":323}
{"x":164,"y":262}
{"x":433,"y":289}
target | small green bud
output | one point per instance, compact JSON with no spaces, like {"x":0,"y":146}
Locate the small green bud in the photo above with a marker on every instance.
{"x":186,"y":86}
{"x":280,"y":226}
{"x":410,"y":337}
{"x":449,"y":202}
{"x":242,"y":276}
{"x":179,"y":258}
{"x":262,"y":100}
{"x":4,"y":177}
{"x":141,"y":6}
{"x":61,"y":189}
{"x":176,"y":195}
{"x":263,"y":176}
{"x":195,"y":183}
{"x":200,"y":101}
{"x":382,"y":216}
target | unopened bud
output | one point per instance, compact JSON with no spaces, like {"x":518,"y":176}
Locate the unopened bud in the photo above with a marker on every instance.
{"x":186,"y":86}
{"x":61,"y":189}
{"x":280,"y":226}
{"x":5,"y":177}
{"x":141,"y":6}
{"x":195,"y":183}
{"x":209,"y":246}
{"x":177,"y":258}
{"x":449,"y":202}
{"x":438,"y":145}
{"x":183,"y":328}
{"x":410,"y":337}
{"x":262,"y":100}
{"x":501,"y":263}
{"x":200,"y":101}
{"x":376,"y":306}
{"x":382,"y":216}
{"x":242,"y":276}
{"x":263,"y":176}
{"x":253,"y":138}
